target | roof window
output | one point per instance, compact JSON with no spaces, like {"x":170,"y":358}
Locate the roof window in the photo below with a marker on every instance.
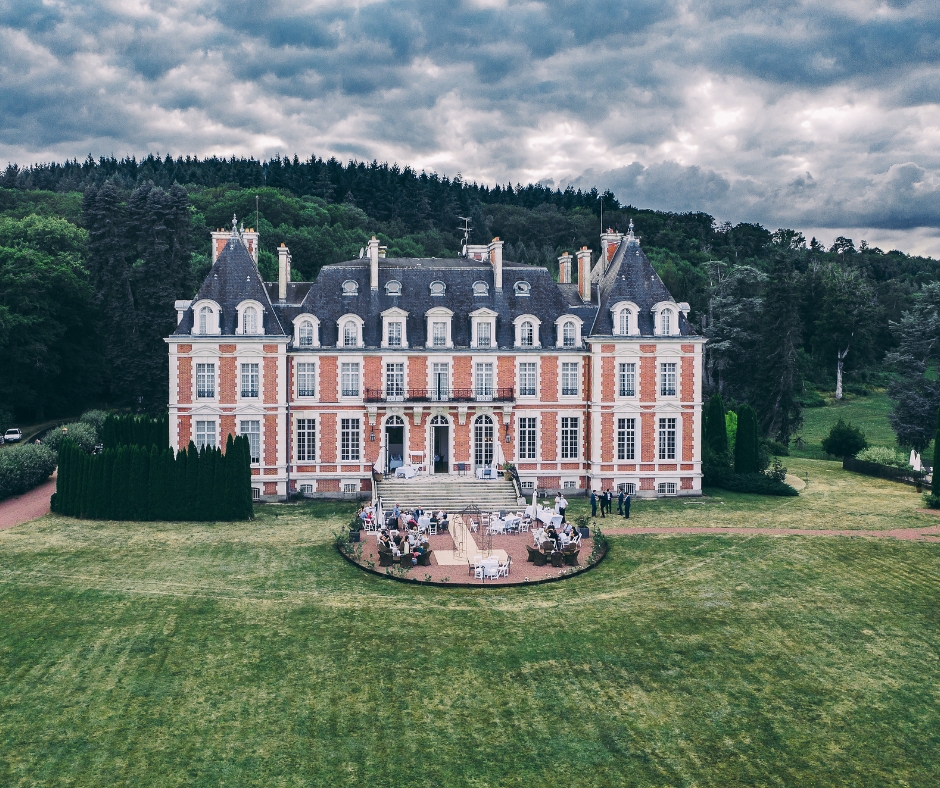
{"x":393,"y":288}
{"x":522,"y":288}
{"x":438,"y":288}
{"x":481,"y":289}
{"x":350,"y":288}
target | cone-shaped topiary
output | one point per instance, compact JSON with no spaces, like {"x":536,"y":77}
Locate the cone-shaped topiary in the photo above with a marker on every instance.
{"x":746,"y":443}
{"x":716,"y":432}
{"x":935,"y":478}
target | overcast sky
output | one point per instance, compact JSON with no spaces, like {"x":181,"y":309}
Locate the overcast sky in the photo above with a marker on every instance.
{"x":821,"y":116}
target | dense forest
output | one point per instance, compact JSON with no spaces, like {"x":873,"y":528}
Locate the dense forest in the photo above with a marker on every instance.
{"x":93,"y":254}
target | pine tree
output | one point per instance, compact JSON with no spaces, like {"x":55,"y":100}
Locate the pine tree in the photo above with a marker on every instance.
{"x":777,"y":381}
{"x":747,"y":441}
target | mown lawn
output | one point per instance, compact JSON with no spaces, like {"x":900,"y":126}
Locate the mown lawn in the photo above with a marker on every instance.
{"x":833,"y":499}
{"x":250,"y":654}
{"x":869,"y":414}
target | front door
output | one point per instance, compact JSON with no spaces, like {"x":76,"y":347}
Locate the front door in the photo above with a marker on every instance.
{"x":395,"y":440}
{"x":441,"y":449}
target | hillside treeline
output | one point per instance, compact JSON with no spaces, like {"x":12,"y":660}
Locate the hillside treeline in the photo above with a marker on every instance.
{"x":93,"y":254}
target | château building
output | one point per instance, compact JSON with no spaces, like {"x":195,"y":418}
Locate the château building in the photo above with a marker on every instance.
{"x":591,"y":381}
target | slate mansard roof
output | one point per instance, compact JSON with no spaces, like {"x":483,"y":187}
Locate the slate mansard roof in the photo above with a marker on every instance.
{"x":629,"y":276}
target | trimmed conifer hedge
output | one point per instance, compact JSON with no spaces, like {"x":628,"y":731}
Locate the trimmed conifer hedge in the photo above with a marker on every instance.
{"x":130,"y":430}
{"x":134,"y":482}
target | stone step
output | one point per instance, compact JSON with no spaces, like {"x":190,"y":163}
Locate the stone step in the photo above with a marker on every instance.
{"x":452,"y":494}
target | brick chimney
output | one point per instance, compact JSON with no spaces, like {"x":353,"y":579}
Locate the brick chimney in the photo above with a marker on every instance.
{"x":564,"y":269}
{"x":283,"y":271}
{"x":609,"y":242}
{"x":495,"y":250}
{"x":584,"y":274}
{"x":374,"y":263}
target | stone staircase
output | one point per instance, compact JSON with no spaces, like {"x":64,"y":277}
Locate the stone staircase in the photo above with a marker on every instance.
{"x":450,"y":493}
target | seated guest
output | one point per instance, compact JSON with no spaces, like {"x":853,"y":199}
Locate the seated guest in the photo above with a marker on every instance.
{"x":568,"y":529}
{"x":384,"y":541}
{"x":418,"y":513}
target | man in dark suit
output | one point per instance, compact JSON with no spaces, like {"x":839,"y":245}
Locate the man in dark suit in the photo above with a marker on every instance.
{"x":593,"y":504}
{"x":620,"y":502}
{"x":626,"y":506}
{"x":604,"y":503}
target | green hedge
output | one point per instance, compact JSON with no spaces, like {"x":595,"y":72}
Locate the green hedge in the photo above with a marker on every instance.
{"x":130,"y":430}
{"x":758,"y":483}
{"x":23,"y":467}
{"x":149,"y":483}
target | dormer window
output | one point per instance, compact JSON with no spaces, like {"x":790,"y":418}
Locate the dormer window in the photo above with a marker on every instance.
{"x":526,"y":334}
{"x":624,"y":317}
{"x":483,"y":328}
{"x":394,"y":328}
{"x":393,"y":288}
{"x":350,"y":331}
{"x":481,"y":289}
{"x":350,"y":288}
{"x":438,"y":288}
{"x":522,"y":288}
{"x":527,"y":331}
{"x":306,"y":331}
{"x":439,"y":321}
{"x":205,"y":318}
{"x":666,"y":318}
{"x":249,"y":319}
{"x":568,"y":333}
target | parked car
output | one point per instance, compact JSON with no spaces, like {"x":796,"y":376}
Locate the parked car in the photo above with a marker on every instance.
{"x":13,"y":435}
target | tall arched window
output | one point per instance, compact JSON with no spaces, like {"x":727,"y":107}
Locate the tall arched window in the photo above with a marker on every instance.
{"x":568,"y":334}
{"x":205,"y":315}
{"x":350,"y":334}
{"x":483,"y":441}
{"x":624,"y":322}
{"x":666,"y":322}
{"x":306,"y":334}
{"x":250,"y":320}
{"x":526,"y":334}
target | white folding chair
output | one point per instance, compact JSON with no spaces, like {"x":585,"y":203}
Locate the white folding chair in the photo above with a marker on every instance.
{"x":479,"y":572}
{"x":491,"y":570}
{"x":432,"y":528}
{"x":503,"y":569}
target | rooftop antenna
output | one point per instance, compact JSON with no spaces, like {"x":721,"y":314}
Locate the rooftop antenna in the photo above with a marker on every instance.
{"x":466,"y":232}
{"x":257,"y":221}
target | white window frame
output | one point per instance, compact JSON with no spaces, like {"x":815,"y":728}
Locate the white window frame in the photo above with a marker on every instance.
{"x":526,"y":392}
{"x":565,"y":438}
{"x":439,"y":314}
{"x":250,"y":432}
{"x":298,"y":324}
{"x":243,"y":308}
{"x":527,"y":438}
{"x":632,"y":311}
{"x":350,"y":363}
{"x":390,"y":316}
{"x":668,"y":379}
{"x":484,"y":392}
{"x":560,"y":325}
{"x":626,"y":439}
{"x":350,"y":450}
{"x":667,"y":488}
{"x":394,"y":379}
{"x":201,"y":433}
{"x":305,"y":446}
{"x":626,"y":379}
{"x":242,"y":372}
{"x":478,"y":318}
{"x":670,"y":308}
{"x":341,"y":334}
{"x":562,"y":372}
{"x":311,"y":371}
{"x":664,"y":451}
{"x":213,"y":327}
{"x":437,"y":392}
{"x":215,"y":379}
{"x":536,"y":327}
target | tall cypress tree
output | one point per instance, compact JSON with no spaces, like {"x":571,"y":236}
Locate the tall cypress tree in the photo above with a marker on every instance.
{"x":180,"y":477}
{"x":716,"y":432}
{"x":119,"y":485}
{"x":204,"y":493}
{"x":935,"y":477}
{"x":192,"y":481}
{"x":777,"y":380}
{"x":219,"y":503}
{"x":230,"y":463}
{"x":746,"y":443}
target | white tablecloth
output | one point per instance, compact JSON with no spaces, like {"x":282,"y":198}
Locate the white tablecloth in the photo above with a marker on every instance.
{"x":405,"y":472}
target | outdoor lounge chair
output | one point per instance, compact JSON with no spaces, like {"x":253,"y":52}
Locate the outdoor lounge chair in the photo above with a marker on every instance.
{"x":557,"y":559}
{"x":425,"y":560}
{"x":533,"y":554}
{"x":571,"y":557}
{"x":386,"y":558}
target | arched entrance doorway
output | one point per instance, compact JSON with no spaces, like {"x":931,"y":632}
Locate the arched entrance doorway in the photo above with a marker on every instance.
{"x":440,"y":444}
{"x":482,"y":441}
{"x":394,"y":443}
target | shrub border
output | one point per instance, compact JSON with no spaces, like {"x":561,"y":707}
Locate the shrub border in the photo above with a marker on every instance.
{"x":440,"y":584}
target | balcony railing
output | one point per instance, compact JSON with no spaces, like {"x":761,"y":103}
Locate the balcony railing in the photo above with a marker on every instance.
{"x":442,"y":395}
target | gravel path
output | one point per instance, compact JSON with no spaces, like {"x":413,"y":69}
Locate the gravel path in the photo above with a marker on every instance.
{"x":930,"y":533}
{"x":26,"y":507}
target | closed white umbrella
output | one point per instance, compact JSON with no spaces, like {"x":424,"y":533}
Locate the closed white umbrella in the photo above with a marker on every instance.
{"x":917,"y":464}
{"x":911,"y":460}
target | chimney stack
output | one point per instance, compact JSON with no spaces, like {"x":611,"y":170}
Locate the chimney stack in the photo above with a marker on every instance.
{"x":584,"y":274}
{"x":283,"y":271}
{"x":374,"y":263}
{"x":564,"y":269}
{"x":609,"y":243}
{"x":495,"y":250}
